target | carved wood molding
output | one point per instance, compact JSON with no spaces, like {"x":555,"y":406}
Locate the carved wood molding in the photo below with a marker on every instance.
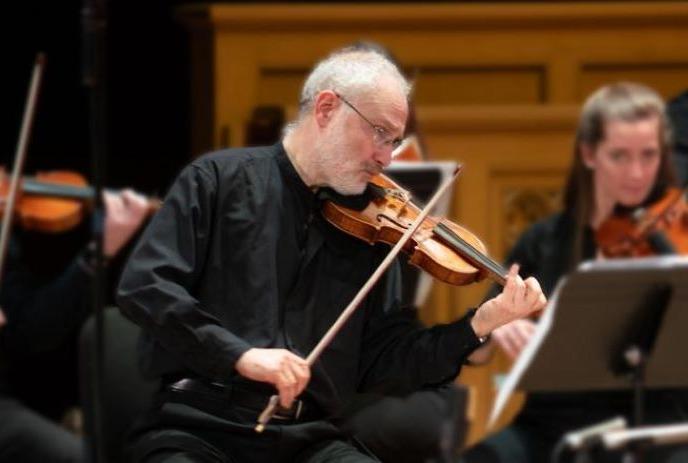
{"x":438,"y":119}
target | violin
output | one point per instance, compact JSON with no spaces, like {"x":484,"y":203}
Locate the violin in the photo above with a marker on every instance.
{"x":445,"y":250}
{"x":52,"y":202}
{"x":660,"y":228}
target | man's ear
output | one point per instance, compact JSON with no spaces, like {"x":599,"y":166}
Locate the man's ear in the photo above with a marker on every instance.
{"x":324,"y":106}
{"x":587,"y":155}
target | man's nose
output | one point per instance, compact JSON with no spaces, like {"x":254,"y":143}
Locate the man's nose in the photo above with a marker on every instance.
{"x":383,"y":155}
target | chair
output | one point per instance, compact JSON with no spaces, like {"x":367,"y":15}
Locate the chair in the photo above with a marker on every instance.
{"x":125,"y":393}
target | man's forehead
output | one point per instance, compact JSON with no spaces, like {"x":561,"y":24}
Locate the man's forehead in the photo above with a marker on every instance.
{"x":388,"y":106}
{"x":393,"y":113}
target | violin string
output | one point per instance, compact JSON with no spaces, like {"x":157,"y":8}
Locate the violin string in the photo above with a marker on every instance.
{"x":472,"y":252}
{"x":464,"y":245}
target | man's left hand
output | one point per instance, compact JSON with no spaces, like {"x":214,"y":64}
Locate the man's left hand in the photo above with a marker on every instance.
{"x":519,"y":299}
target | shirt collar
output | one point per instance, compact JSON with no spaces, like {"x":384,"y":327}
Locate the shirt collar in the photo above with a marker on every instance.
{"x":292,"y":177}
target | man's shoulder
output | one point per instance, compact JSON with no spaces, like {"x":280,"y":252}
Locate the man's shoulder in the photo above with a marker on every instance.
{"x":229,"y":168}
{"x":235,"y":158}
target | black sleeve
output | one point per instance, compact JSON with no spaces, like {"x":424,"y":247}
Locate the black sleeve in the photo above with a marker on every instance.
{"x":42,"y":312}
{"x":400,"y":354}
{"x":156,"y":289}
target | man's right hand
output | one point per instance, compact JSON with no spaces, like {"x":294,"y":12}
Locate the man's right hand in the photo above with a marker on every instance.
{"x":285,"y":370}
{"x":125,"y":212}
{"x":3,"y":320}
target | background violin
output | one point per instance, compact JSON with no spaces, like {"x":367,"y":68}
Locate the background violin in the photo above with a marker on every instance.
{"x":442,"y":248}
{"x":660,"y":228}
{"x":52,"y":202}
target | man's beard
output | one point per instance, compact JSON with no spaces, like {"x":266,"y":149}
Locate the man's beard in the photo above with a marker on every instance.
{"x":340,"y":175}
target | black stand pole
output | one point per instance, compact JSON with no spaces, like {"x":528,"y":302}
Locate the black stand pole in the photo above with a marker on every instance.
{"x":94,"y":47}
{"x":639,"y":345}
{"x":636,"y":359}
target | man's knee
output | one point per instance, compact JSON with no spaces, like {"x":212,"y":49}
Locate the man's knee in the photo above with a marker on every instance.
{"x":174,"y":456}
{"x":334,"y":450}
{"x":171,"y":446}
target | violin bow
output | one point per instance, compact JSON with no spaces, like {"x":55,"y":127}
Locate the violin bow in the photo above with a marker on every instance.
{"x":20,"y":156}
{"x":271,"y":407}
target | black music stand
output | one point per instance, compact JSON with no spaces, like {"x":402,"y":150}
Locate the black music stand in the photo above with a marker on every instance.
{"x":615,"y":324}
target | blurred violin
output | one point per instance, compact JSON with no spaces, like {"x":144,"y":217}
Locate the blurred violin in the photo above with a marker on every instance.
{"x":660,"y":228}
{"x":51,"y":202}
{"x":442,"y":248}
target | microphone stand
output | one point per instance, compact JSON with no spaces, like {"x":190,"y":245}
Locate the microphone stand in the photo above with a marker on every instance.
{"x":93,"y":22}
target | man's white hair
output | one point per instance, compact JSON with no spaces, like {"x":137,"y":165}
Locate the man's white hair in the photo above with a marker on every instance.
{"x":350,"y":72}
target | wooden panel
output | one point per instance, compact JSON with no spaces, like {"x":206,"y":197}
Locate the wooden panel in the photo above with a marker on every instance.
{"x":483,"y":53}
{"x":518,"y":199}
{"x":466,"y":85}
{"x":280,"y":86}
{"x":433,"y":85}
{"x":669,"y":79}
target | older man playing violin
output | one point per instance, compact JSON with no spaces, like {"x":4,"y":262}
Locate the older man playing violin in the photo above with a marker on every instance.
{"x":239,"y":276}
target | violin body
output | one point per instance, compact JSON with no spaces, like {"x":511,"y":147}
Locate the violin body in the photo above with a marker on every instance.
{"x":660,"y":228}
{"x":52,"y":202}
{"x":45,"y":213}
{"x":386,"y":218}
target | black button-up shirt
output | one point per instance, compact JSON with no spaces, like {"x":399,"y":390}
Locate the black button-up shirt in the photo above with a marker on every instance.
{"x":239,"y":257}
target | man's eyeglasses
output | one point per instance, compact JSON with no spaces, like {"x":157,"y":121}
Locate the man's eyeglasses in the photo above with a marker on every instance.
{"x":380,"y":136}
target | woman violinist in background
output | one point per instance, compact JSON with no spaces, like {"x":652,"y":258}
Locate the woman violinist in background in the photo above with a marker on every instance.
{"x":622,"y":159}
{"x":45,"y":296}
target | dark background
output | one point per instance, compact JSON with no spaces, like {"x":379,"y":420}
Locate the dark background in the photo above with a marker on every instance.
{"x":147,"y":89}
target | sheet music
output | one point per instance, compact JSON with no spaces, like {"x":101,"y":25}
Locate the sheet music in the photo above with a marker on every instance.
{"x":525,"y":358}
